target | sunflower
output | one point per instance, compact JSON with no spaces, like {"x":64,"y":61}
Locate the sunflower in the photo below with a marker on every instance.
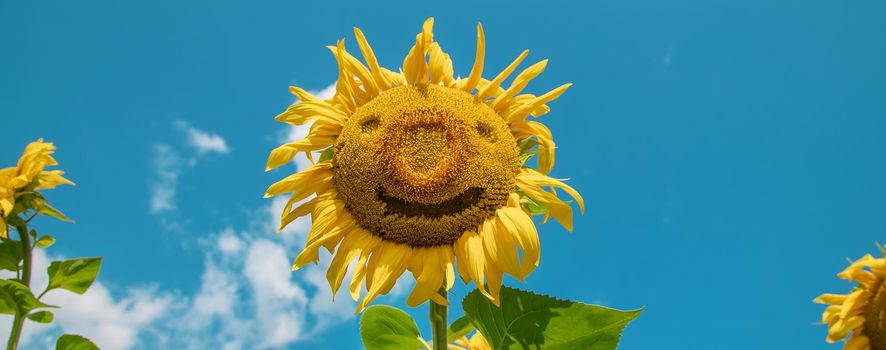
{"x":859,"y":315}
{"x":28,"y":175}
{"x":475,"y":342}
{"x":420,"y":168}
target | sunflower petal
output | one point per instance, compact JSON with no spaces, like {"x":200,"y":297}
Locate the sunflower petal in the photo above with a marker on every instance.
{"x":477,"y":70}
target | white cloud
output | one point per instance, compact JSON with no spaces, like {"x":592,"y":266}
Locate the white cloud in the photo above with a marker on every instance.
{"x":203,"y":141}
{"x":169,"y":163}
{"x":167,"y":166}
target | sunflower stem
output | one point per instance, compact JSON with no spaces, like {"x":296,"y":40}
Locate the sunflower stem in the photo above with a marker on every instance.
{"x":439,"y":324}
{"x":19,"y":322}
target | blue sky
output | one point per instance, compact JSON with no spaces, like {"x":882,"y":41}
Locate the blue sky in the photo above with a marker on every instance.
{"x":730,"y":154}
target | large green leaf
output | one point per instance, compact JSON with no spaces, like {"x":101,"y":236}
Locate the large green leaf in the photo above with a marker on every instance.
{"x":74,"y":342}
{"x":10,"y":254}
{"x":16,"y":298}
{"x":459,"y":328}
{"x":388,"y":328}
{"x":75,"y":275}
{"x":527,"y":320}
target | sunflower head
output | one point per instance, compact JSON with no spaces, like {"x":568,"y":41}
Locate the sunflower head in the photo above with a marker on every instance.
{"x":27,"y":177}
{"x":858,"y":316}
{"x":420,"y":165}
{"x":420,"y":168}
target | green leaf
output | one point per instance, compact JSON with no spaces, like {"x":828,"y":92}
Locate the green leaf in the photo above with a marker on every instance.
{"x":527,"y":320}
{"x":48,"y":210}
{"x":10,"y":254}
{"x":74,"y":342}
{"x":388,"y":328}
{"x":16,"y":298}
{"x":326,"y":154}
{"x":527,"y":148}
{"x":41,"y":316}
{"x":45,"y":241}
{"x":459,"y":328}
{"x":75,"y":275}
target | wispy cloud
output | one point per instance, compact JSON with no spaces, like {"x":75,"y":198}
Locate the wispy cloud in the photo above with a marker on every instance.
{"x":203,"y":141}
{"x":167,"y":166}
{"x":170,"y":162}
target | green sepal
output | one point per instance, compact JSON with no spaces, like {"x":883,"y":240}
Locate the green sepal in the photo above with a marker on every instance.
{"x":385,"y":327}
{"x":27,"y":200}
{"x":48,"y":210}
{"x":45,"y":241}
{"x":534,"y":207}
{"x":528,"y":148}
{"x":16,"y":298}
{"x":75,"y":275}
{"x":74,"y":342}
{"x":527,"y":320}
{"x":41,"y":316}
{"x":326,"y":154}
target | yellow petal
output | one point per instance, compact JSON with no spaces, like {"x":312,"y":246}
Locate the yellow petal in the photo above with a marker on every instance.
{"x":494,"y":85}
{"x":415,"y":68}
{"x":283,"y":154}
{"x":359,"y":275}
{"x":440,"y":65}
{"x":429,"y":276}
{"x":477,"y":70}
{"x":472,"y":259}
{"x":377,"y":74}
{"x":520,"y":82}
{"x":520,"y":225}
{"x":526,"y":108}
{"x":358,"y":241}
{"x":385,"y":266}
{"x":546,"y":148}
{"x":493,"y":282}
{"x":51,"y":179}
{"x":500,"y":247}
{"x":832,"y":299}
{"x":299,"y":182}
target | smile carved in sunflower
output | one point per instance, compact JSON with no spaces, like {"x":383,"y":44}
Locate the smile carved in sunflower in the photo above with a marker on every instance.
{"x":422,"y":169}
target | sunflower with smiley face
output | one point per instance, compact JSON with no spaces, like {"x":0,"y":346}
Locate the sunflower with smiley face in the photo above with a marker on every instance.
{"x":421,"y":169}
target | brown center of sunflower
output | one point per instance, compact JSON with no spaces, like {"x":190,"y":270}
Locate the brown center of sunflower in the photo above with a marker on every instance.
{"x":421,"y":165}
{"x":875,"y":318}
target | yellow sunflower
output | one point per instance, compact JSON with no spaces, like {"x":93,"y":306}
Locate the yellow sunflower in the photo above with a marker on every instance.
{"x":420,"y":168}
{"x":27,"y":175}
{"x":859,"y":315}
{"x":475,"y":342}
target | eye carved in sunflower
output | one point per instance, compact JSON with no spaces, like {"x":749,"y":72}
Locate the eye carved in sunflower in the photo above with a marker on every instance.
{"x":420,"y":169}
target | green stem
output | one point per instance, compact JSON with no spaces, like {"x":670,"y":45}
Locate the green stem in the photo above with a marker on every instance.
{"x":19,"y":322}
{"x":439,"y":324}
